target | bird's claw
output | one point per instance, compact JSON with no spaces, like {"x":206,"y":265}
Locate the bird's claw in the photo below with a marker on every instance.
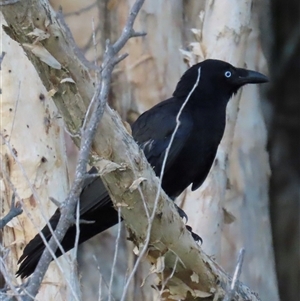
{"x":195,"y":236}
{"x":181,"y":213}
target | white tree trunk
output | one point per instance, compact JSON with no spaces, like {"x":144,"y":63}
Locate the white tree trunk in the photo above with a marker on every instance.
{"x":238,"y":182}
{"x":32,"y":127}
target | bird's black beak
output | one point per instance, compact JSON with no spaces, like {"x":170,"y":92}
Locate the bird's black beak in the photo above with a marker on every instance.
{"x":249,"y":77}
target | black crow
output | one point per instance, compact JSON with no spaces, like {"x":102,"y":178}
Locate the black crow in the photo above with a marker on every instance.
{"x":207,"y":87}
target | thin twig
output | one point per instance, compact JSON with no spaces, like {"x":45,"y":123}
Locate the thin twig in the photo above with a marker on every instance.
{"x":15,"y":210}
{"x":28,"y":213}
{"x":102,"y":278}
{"x":115,"y":255}
{"x":99,"y":285}
{"x":164,"y":283}
{"x":89,"y":109}
{"x":82,"y":10}
{"x":237,"y":272}
{"x":176,"y":129}
{"x":71,"y":41}
{"x":151,"y":219}
{"x":6,"y":275}
{"x":139,"y":187}
{"x":90,"y":42}
{"x":8,"y":2}
{"x":71,"y":134}
{"x":88,"y":133}
{"x":94,"y":43}
{"x":128,"y":31}
{"x":74,"y":275}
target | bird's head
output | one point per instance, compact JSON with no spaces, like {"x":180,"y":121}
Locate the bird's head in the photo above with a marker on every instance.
{"x":216,"y":78}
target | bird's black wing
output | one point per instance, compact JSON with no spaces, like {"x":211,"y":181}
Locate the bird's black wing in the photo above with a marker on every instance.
{"x":94,"y":195}
{"x":153,"y":131}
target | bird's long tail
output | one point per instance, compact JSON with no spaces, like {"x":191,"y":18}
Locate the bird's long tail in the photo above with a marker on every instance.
{"x":95,"y":205}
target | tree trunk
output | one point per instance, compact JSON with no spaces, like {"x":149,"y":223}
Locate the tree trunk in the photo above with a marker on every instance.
{"x":230,"y":210}
{"x":35,"y":166}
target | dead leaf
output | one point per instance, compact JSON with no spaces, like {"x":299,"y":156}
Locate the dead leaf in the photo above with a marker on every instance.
{"x":135,"y":184}
{"x":136,"y":251}
{"x":121,"y":204}
{"x":195,"y":277}
{"x":51,"y":92}
{"x":187,"y":55}
{"x":197,"y":49}
{"x":106,"y":166}
{"x":40,"y":34}
{"x":159,"y":266}
{"x":197,"y":33}
{"x":44,"y":55}
{"x":67,"y":80}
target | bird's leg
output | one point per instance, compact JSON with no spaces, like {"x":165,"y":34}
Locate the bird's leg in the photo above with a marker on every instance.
{"x":183,"y":215}
{"x":195,"y":236}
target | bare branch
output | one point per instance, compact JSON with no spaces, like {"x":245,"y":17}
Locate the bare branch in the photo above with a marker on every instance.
{"x":15,"y":210}
{"x":128,"y":31}
{"x":69,"y":36}
{"x":120,"y":58}
{"x":164,"y":282}
{"x":8,"y":281}
{"x":237,"y":272}
{"x":55,"y":202}
{"x":115,"y":256}
{"x":82,"y":10}
{"x":8,"y":2}
{"x":138,"y":34}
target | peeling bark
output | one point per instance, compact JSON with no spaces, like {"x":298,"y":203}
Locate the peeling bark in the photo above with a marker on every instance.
{"x":30,"y":124}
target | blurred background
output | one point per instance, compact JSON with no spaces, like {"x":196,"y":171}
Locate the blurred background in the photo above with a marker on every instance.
{"x":261,"y":182}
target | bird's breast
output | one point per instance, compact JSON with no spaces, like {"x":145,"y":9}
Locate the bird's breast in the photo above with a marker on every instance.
{"x":197,"y":155}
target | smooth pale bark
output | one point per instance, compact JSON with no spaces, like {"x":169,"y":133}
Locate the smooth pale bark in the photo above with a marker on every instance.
{"x":230,"y":210}
{"x":29,"y":121}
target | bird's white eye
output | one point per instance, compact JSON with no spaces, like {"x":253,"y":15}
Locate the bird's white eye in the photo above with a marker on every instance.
{"x":227,"y":74}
